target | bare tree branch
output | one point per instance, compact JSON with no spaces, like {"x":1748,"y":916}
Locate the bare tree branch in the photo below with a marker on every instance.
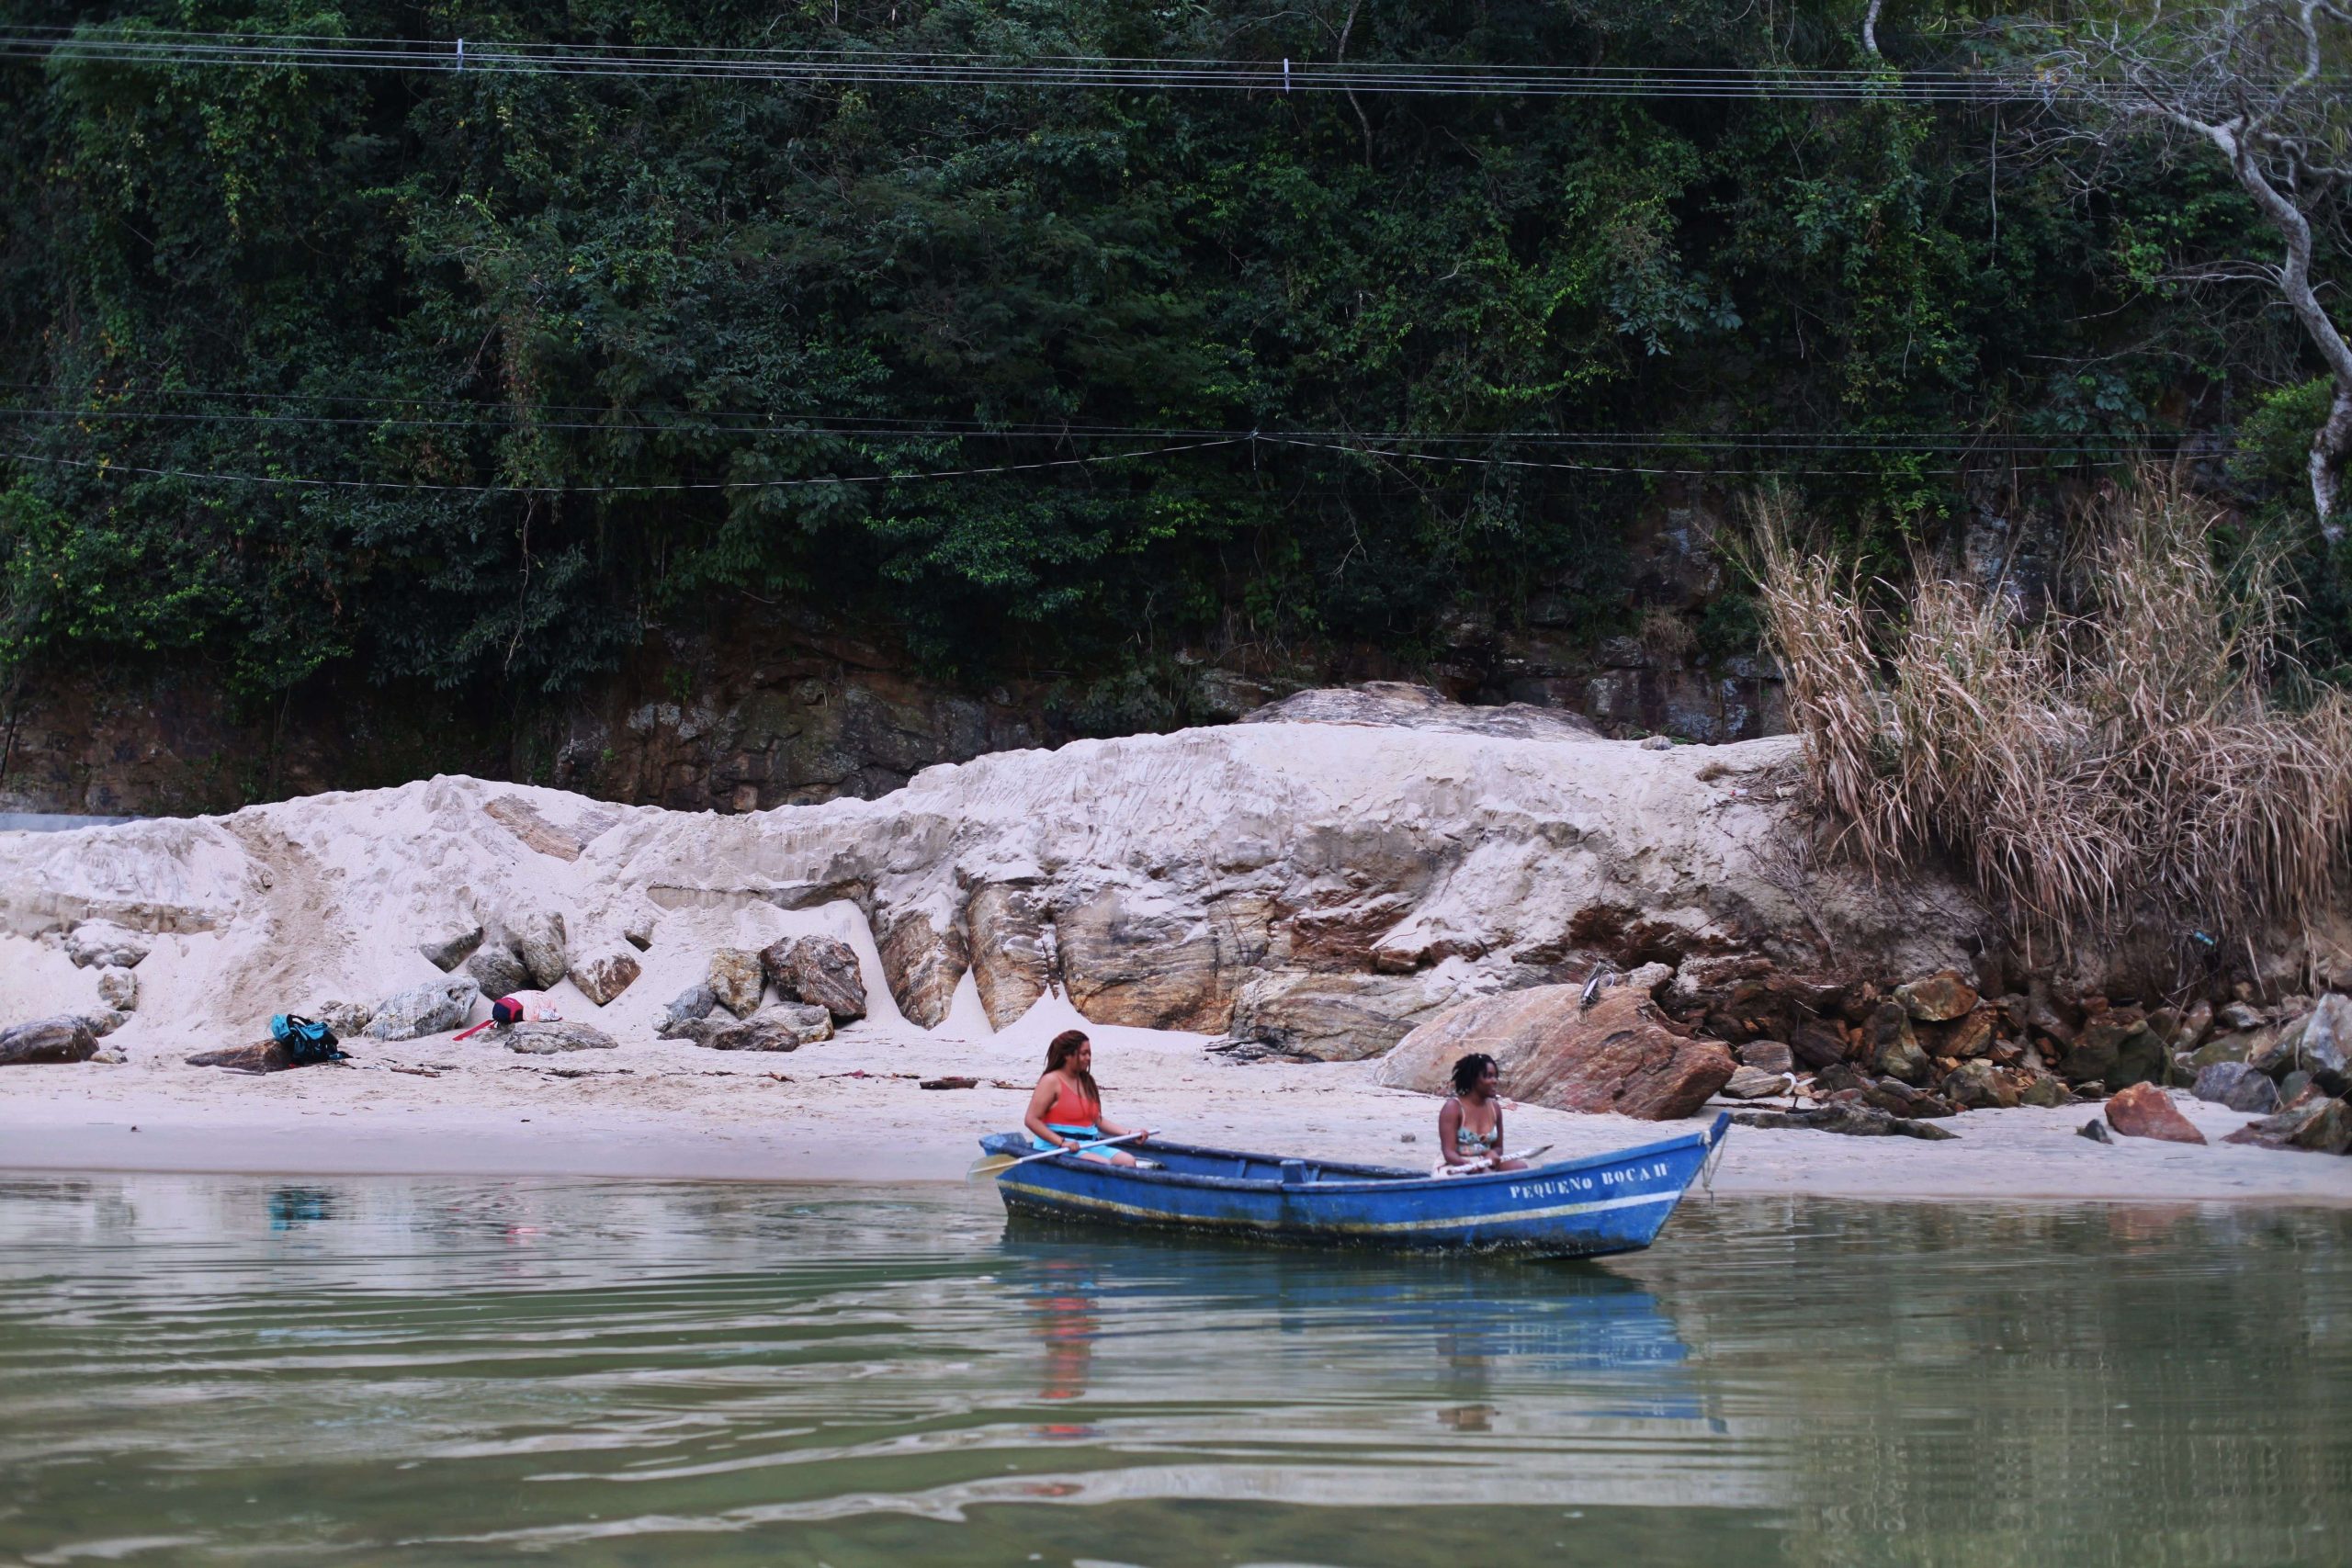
{"x":2252,"y":80}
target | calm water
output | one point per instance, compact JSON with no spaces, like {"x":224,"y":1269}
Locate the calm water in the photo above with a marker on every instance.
{"x":203,"y":1370}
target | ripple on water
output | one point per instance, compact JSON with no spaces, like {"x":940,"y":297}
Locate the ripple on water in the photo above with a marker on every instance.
{"x":206,"y":1370}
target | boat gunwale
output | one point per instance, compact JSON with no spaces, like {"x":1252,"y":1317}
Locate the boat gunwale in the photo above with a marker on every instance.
{"x":1404,"y":1182}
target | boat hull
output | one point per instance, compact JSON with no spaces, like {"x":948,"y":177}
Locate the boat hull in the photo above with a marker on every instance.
{"x":1613,"y":1202}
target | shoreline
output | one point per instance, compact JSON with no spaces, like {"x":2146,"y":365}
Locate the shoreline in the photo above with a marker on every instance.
{"x":669,"y":1110}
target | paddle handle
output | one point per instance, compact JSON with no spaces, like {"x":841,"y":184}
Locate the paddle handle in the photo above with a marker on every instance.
{"x":1098,"y":1144}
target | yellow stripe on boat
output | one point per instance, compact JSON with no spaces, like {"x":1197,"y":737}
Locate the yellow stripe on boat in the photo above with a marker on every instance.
{"x":1508,"y":1216}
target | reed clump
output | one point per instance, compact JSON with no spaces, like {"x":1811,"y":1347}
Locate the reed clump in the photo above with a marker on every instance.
{"x":2129,"y":755}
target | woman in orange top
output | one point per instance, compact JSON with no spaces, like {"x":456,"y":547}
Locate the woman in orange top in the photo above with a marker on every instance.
{"x":1067,"y":1109}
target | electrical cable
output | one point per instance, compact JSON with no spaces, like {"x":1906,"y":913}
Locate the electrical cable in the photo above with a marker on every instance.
{"x":473,"y":56}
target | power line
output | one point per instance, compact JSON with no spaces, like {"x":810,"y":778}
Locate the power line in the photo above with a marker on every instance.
{"x":471,"y":56}
{"x":708,"y":423}
{"x":292,"y":481}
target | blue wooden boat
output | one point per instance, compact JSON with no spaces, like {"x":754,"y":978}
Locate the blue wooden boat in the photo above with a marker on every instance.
{"x":1610,"y":1202}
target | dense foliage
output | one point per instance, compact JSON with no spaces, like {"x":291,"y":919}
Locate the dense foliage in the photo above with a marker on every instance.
{"x":582,"y":341}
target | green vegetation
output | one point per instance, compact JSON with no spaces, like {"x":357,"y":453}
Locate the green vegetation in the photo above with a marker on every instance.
{"x":579,"y":285}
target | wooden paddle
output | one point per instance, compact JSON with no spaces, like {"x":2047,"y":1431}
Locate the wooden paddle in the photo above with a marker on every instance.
{"x":991,"y":1164}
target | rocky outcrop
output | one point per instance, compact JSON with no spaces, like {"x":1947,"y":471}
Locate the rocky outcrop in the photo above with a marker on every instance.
{"x":1615,"y":1056}
{"x":46,"y":1040}
{"x":1401,"y":704}
{"x":537,"y":939}
{"x":451,"y":948}
{"x":1325,"y":885}
{"x":818,"y":969}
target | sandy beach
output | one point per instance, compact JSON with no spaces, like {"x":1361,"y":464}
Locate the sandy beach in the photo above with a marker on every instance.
{"x":665,"y":1108}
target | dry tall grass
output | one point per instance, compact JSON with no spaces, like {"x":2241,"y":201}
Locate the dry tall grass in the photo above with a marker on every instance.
{"x":2130,"y":758}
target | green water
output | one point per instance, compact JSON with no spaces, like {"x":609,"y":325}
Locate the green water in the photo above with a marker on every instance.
{"x":206,"y":1370}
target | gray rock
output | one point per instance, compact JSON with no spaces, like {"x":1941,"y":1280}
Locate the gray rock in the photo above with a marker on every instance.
{"x":1660,"y":743}
{"x":538,"y":939}
{"x":785,"y":1026}
{"x":111,"y":1056}
{"x":2320,"y":1124}
{"x":2326,"y":1049}
{"x":547,"y":1039}
{"x":424,"y":1009}
{"x":697,"y":1030}
{"x":1769,"y":1054}
{"x":1853,"y":1121}
{"x":606,"y":975}
{"x":46,"y":1040}
{"x":2237,"y":1086}
{"x":818,"y":969}
{"x":694,"y":1002}
{"x":102,"y":944}
{"x":1403,"y":705}
{"x":2238,"y":1016}
{"x":105,"y":1021}
{"x":348,"y":1019}
{"x":1755,"y":1083}
{"x":736,"y":980}
{"x":2095,"y":1131}
{"x":2291,"y":1087}
{"x":497,"y":972}
{"x":119,"y":989}
{"x":445,"y":953}
{"x":265,"y":1056}
{"x":638,"y":930}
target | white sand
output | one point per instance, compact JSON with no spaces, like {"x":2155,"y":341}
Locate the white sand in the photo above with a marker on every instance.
{"x":668,"y":1109}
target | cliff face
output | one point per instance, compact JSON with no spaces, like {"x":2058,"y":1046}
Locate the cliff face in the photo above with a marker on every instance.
{"x":754,"y":710}
{"x":1319,"y":885}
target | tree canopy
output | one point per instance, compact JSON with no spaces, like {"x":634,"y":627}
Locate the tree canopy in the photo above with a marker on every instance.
{"x":475,"y":377}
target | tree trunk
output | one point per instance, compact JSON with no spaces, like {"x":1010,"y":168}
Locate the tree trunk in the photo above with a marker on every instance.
{"x":2331,"y":455}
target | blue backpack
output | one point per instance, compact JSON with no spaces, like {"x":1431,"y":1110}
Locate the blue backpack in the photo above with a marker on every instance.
{"x":306,"y":1040}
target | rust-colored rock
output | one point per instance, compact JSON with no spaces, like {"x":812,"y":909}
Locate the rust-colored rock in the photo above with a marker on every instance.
{"x":606,"y":975}
{"x":1613,"y":1057}
{"x":1937,"y":999}
{"x":2143,"y":1111}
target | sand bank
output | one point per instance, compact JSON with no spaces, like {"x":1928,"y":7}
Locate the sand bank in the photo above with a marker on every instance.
{"x":663,"y":1108}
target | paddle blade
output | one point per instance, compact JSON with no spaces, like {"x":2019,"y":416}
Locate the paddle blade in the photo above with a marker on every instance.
{"x":986,"y":1166}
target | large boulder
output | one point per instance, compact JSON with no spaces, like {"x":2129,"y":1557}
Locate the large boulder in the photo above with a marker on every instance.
{"x":736,"y":980}
{"x":46,"y":1040}
{"x":688,"y":1006}
{"x":1012,"y":950}
{"x":1616,"y":1055}
{"x":1893,"y":1045}
{"x":2116,"y":1048}
{"x":496,"y":972}
{"x":451,"y":948}
{"x":1977,"y":1085}
{"x":2317,"y":1123}
{"x":1939,"y":998}
{"x":119,"y":989}
{"x":538,"y":939}
{"x":781,"y":1026}
{"x":424,"y":1009}
{"x":608,"y":975}
{"x":265,"y":1056}
{"x":547,"y":1039}
{"x":923,"y":963}
{"x":2319,"y":1044}
{"x":348,"y":1019}
{"x":818,"y":969}
{"x":1338,"y":1017}
{"x":102,"y":944}
{"x":2143,"y":1111}
{"x":2237,"y":1086}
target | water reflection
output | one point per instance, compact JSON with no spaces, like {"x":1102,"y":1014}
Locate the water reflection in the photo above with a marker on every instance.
{"x":447,"y":1371}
